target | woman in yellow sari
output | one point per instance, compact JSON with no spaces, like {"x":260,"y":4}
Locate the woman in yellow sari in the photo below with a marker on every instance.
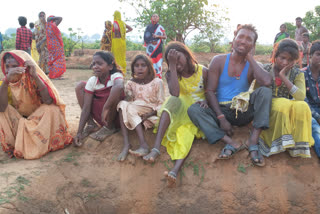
{"x":118,"y":37}
{"x":32,"y":116}
{"x":290,"y":117}
{"x":186,"y":81}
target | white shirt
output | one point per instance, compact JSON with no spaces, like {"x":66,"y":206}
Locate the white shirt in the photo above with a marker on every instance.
{"x":94,"y":84}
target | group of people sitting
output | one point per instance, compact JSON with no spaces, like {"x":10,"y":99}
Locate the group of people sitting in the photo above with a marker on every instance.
{"x":234,"y":90}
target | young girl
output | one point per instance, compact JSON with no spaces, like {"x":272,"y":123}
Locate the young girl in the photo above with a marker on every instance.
{"x":145,"y":95}
{"x":186,"y":81}
{"x":290,"y":116}
{"x":99,"y":97}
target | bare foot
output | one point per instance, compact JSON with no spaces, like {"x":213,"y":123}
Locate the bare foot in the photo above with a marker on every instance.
{"x":103,"y":133}
{"x":171,"y":178}
{"x":151,"y":157}
{"x":90,"y":128}
{"x":123,"y":155}
{"x":139,"y":152}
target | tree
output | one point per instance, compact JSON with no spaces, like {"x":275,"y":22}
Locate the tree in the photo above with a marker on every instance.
{"x":180,"y":17}
{"x":9,"y":42}
{"x":70,"y":41}
{"x":291,"y":29}
{"x":312,"y":23}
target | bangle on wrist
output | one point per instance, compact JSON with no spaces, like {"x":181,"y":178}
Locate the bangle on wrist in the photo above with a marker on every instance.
{"x":220,"y":116}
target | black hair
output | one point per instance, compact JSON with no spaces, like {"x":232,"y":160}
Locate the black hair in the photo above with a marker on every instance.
{"x":248,"y":27}
{"x":315,"y":47}
{"x":286,"y":45}
{"x":306,"y":34}
{"x":178,"y":46}
{"x":22,"y":20}
{"x":31,"y":25}
{"x":147,"y":60}
{"x":109,"y":59}
{"x":284,"y":25}
{"x":298,"y":18}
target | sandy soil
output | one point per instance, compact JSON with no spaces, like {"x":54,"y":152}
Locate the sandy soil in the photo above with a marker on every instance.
{"x":90,"y":180}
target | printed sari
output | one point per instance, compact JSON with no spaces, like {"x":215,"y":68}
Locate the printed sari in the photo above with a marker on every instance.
{"x":43,"y":50}
{"x":106,"y":43}
{"x":28,"y":128}
{"x":154,"y":46}
{"x":56,"y":58}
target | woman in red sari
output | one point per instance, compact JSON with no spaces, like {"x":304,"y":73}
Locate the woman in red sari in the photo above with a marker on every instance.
{"x":56,"y":57}
{"x":32,"y":114}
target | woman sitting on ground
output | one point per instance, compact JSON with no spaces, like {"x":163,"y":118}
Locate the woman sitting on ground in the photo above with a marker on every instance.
{"x":99,"y":97}
{"x":186,"y":79}
{"x":144,"y":97}
{"x":32,"y":115}
{"x":290,"y":116}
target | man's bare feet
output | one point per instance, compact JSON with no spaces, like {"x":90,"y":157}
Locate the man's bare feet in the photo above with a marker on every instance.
{"x":171,"y":178}
{"x":139,"y":152}
{"x":151,"y":157}
{"x":123,"y":155}
{"x":103,"y":133}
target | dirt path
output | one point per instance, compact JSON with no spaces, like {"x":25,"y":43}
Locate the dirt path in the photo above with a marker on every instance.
{"x":90,"y":180}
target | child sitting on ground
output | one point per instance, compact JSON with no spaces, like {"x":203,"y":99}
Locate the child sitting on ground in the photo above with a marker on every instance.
{"x":99,"y":97}
{"x":144,"y":97}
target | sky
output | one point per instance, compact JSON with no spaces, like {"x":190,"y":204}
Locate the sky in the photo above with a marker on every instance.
{"x":90,"y":15}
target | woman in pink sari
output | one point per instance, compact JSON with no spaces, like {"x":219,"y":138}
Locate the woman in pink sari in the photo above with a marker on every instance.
{"x":56,"y":57}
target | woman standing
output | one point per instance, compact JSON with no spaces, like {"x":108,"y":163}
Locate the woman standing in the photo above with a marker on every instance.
{"x":56,"y":58}
{"x":153,"y":38}
{"x":118,"y":37}
{"x":106,"y":43}
{"x":41,"y":41}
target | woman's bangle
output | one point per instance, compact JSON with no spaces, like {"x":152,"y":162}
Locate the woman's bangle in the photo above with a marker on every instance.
{"x":220,"y":116}
{"x":293,"y":90}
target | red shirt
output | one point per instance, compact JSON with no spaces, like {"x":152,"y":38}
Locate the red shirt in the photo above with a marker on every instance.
{"x":23,"y":39}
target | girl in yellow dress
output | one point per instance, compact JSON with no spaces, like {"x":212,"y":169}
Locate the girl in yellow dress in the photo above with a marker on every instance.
{"x":290,"y":116}
{"x":175,"y":130}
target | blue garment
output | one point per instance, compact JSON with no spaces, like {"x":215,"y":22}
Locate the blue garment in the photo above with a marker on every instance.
{"x":312,"y":96}
{"x":313,"y":99}
{"x":1,"y":42}
{"x":316,"y":136}
{"x":230,"y":87}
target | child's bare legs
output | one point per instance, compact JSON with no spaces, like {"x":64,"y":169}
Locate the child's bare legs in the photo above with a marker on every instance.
{"x":144,"y":148}
{"x":126,"y":144}
{"x":163,"y":125}
{"x":91,"y":125}
{"x":172,"y":175}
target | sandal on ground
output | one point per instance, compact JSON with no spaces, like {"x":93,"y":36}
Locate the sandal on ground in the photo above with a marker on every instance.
{"x":230,"y":148}
{"x":260,"y":161}
{"x":139,"y":152}
{"x":102,"y":133}
{"x":152,"y":155}
{"x":171,"y":178}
